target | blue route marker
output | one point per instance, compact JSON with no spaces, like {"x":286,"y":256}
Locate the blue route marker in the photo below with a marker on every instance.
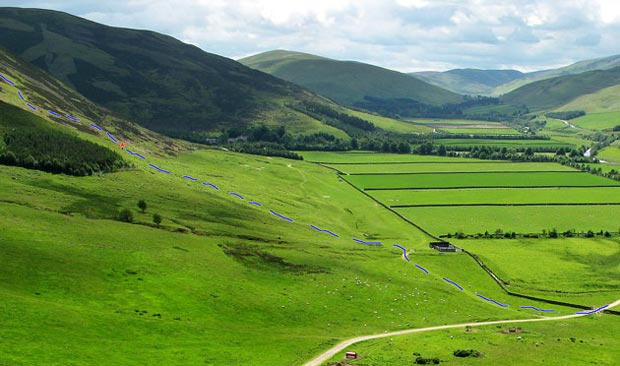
{"x":493,"y":301}
{"x":255,"y":203}
{"x":281,"y":216}
{"x":75,"y":119}
{"x":190,"y":178}
{"x":20,"y":95}
{"x":31,"y":106}
{"x":111,"y":137}
{"x":53,"y":113}
{"x":159,"y":169}
{"x":453,"y":283}
{"x":404,"y":251}
{"x":96,"y":127}
{"x":236,"y":195}
{"x":366,"y":242}
{"x":325,"y":231}
{"x":140,"y":156}
{"x":7,"y":80}
{"x":592,"y":311}
{"x":421,"y":268}
{"x":211,"y":185}
{"x":538,"y":309}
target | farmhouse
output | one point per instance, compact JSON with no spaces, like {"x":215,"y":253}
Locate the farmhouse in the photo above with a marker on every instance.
{"x":444,"y":246}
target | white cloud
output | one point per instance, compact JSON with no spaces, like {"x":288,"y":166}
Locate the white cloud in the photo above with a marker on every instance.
{"x":406,"y":35}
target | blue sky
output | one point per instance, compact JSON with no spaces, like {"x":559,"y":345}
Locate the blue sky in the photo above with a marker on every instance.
{"x":405,"y":35}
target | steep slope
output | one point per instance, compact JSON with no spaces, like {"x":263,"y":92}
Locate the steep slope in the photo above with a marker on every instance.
{"x":347,"y":82}
{"x":604,"y":63}
{"x":604,"y":100}
{"x":554,"y":92}
{"x":469,"y":81}
{"x":156,"y":80}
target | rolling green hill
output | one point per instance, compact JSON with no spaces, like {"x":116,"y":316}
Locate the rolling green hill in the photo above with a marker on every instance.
{"x":604,"y":63}
{"x":555,"y":92}
{"x":469,"y":81}
{"x":153,"y":79}
{"x":602,"y":101}
{"x":347,"y":82}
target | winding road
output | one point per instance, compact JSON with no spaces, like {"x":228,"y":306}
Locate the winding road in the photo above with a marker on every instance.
{"x":327,"y":355}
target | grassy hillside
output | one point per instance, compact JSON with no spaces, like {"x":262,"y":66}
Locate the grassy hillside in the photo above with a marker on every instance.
{"x":555,"y":92}
{"x":604,"y":63}
{"x":469,"y":81}
{"x":601,"y":101}
{"x":347,"y":82}
{"x":152,"y":79}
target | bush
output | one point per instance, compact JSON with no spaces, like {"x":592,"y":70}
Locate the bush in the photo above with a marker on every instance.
{"x":142,"y":205}
{"x":125,"y":215}
{"x":157,"y":219}
{"x":466,"y":353}
{"x":426,"y":361}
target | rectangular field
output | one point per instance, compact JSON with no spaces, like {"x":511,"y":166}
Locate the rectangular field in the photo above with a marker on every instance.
{"x":521,"y":219}
{"x":498,"y":196}
{"x":481,"y":131}
{"x":598,"y":121}
{"x":365,"y":157}
{"x":456,"y":180}
{"x":448,"y":166}
{"x":502,"y":143}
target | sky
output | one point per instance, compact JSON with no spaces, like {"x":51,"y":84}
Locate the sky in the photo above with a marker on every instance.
{"x":404,"y":35}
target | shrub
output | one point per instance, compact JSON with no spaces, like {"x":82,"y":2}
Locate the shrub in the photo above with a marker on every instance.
{"x":125,"y":215}
{"x":466,"y":353}
{"x":157,"y":219}
{"x":142,"y":205}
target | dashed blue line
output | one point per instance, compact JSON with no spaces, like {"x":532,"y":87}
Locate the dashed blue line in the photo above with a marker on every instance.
{"x":20,"y":95}
{"x":190,"y":178}
{"x":404,"y":251}
{"x":538,"y":309}
{"x":53,"y":113}
{"x":31,"y":106}
{"x":159,"y":169}
{"x":7,"y":80}
{"x":236,"y":195}
{"x":325,"y":231}
{"x":72,"y":118}
{"x":140,"y":156}
{"x":255,"y":203}
{"x":111,"y":137}
{"x":493,"y":301}
{"x":592,"y":311}
{"x":453,"y":283}
{"x":366,"y":242}
{"x":96,"y":127}
{"x":211,"y":185}
{"x":281,"y":216}
{"x":421,"y":268}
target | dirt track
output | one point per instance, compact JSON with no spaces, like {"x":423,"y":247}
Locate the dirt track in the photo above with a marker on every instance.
{"x":325,"y":356}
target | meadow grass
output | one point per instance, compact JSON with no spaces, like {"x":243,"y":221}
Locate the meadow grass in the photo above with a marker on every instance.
{"x":499,"y":196}
{"x":582,"y":341}
{"x":521,"y":219}
{"x":502,"y":143}
{"x":598,"y":121}
{"x":610,"y":153}
{"x":478,"y":179}
{"x":390,"y":124}
{"x":372,"y":157}
{"x":572,"y":265}
{"x":481,"y":131}
{"x":431,"y":121}
{"x":449,"y":166}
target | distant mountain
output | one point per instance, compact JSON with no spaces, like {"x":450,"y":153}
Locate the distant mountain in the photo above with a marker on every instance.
{"x":469,"y":81}
{"x":555,"y":92}
{"x":153,"y":79}
{"x":604,"y":63}
{"x":347,"y":82}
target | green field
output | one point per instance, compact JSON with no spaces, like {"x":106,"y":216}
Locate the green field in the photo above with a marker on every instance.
{"x":583,"y":341}
{"x":610,"y":153}
{"x":365,"y":157}
{"x":502,"y":143}
{"x":451,"y":165}
{"x":604,"y":100}
{"x":492,"y":196}
{"x":390,"y":124}
{"x":575,"y":265}
{"x":598,"y":121}
{"x":456,"y":180}
{"x":431,"y":121}
{"x":521,"y":219}
{"x":480,"y":131}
